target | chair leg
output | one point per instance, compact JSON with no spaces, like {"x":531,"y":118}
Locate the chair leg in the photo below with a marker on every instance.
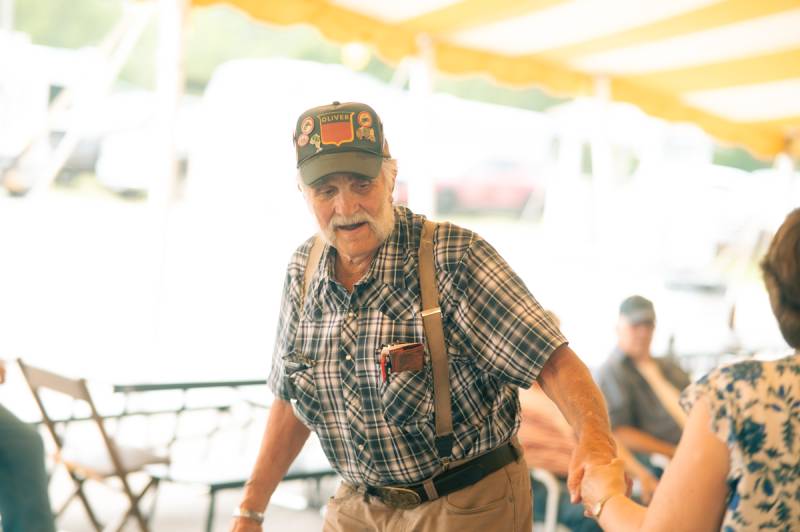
{"x":212,"y":499}
{"x":65,"y":504}
{"x":152,"y":512}
{"x":143,"y":522}
{"x":133,"y":509}
{"x":79,"y":492}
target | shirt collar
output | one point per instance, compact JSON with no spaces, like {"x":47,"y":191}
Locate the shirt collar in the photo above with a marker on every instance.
{"x":394,"y":261}
{"x":394,"y":265}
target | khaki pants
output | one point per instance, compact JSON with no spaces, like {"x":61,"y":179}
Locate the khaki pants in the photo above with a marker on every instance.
{"x":501,"y":502}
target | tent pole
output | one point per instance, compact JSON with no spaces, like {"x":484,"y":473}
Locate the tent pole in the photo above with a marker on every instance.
{"x":601,"y":158}
{"x":170,"y":82}
{"x":7,"y":15}
{"x":420,"y":80}
{"x":162,"y":190}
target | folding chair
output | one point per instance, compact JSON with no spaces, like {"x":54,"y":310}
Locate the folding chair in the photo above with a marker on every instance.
{"x":550,"y":483}
{"x":109,"y":463}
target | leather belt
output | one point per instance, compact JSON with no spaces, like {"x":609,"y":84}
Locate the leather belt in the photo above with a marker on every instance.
{"x":459,"y":477}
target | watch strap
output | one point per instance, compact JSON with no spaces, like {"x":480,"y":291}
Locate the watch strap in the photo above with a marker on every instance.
{"x":597,"y":509}
{"x":258,"y":517}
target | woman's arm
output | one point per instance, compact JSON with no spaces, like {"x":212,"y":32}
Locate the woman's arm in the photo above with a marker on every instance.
{"x":691,"y":494}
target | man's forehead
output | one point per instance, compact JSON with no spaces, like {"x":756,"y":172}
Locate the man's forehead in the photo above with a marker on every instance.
{"x":343,"y":176}
{"x":625,"y":320}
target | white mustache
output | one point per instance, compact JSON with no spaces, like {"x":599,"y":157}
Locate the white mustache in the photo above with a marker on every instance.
{"x":339,"y":220}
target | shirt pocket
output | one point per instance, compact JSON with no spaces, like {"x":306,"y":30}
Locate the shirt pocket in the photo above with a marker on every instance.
{"x":303,"y":392}
{"x":408,"y":398}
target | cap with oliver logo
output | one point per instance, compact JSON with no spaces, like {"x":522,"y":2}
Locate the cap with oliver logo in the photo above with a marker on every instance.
{"x":341,"y":137}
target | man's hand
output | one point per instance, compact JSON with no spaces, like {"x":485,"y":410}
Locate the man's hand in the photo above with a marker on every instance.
{"x":2,"y":372}
{"x":283,"y":438}
{"x":590,"y":451}
{"x":602,"y":482}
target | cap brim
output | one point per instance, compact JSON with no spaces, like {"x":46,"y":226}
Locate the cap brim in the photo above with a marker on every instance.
{"x":356,"y":162}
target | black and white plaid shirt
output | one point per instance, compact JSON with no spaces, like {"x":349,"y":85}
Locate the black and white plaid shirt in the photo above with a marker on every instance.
{"x":326,"y":358}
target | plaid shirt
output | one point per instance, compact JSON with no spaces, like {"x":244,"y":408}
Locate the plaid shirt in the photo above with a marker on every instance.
{"x":326,"y":357}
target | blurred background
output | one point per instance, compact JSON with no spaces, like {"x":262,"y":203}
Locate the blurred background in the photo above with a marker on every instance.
{"x":148,"y":205}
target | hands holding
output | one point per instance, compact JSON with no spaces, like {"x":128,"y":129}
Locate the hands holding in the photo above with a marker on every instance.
{"x":590,"y":451}
{"x":600,"y":483}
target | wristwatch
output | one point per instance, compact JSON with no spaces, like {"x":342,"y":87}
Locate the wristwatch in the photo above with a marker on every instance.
{"x":598,"y":506}
{"x":258,"y":517}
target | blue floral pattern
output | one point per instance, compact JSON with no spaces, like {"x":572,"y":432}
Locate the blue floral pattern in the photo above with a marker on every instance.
{"x":755,"y":408}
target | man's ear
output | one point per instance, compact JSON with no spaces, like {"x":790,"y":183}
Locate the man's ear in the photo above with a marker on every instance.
{"x":390,"y":186}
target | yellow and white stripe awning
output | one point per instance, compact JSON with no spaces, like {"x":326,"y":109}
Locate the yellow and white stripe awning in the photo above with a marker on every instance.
{"x":730,"y":66}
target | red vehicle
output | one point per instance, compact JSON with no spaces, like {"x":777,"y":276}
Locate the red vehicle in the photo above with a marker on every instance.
{"x":494,"y":186}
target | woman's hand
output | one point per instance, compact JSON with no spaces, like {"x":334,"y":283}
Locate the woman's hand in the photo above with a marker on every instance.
{"x":602,"y":481}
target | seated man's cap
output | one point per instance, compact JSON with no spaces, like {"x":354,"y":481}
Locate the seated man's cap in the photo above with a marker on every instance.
{"x":341,"y":137}
{"x":638,"y":309}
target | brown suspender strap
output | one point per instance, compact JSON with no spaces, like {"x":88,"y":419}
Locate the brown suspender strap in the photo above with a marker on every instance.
{"x":314,"y":255}
{"x":434,"y":335}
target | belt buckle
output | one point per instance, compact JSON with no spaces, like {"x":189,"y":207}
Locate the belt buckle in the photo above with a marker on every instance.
{"x":400,"y":498}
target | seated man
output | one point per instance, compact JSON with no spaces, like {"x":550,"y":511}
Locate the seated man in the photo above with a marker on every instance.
{"x":642,"y":391}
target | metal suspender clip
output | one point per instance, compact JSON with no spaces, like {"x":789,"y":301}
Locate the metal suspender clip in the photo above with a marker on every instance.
{"x":444,"y":447}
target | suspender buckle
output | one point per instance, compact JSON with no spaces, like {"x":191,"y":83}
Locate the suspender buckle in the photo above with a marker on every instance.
{"x":431,"y":311}
{"x":444,"y":447}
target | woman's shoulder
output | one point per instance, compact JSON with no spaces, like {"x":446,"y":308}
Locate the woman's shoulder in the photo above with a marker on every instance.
{"x":751,"y":373}
{"x":733,"y":389}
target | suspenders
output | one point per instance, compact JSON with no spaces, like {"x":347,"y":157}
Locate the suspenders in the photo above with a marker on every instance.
{"x":434,"y":334}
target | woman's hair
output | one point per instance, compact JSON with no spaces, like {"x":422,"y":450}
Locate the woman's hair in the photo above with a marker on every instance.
{"x":781,"y":268}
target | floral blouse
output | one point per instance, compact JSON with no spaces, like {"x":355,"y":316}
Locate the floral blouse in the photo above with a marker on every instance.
{"x":755,"y":410}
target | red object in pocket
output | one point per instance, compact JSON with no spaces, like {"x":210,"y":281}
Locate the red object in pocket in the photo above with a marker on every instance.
{"x":386,"y":364}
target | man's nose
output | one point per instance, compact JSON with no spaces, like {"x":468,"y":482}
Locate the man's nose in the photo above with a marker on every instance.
{"x":347,"y":203}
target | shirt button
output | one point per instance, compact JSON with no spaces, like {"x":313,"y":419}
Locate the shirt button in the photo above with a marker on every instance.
{"x":348,"y":357}
{"x":351,"y":315}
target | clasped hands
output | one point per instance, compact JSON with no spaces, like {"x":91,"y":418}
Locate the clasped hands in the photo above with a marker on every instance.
{"x":594,"y":477}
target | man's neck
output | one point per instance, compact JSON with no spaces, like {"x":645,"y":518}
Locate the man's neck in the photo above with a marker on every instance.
{"x":349,"y":270}
{"x":640,"y":358}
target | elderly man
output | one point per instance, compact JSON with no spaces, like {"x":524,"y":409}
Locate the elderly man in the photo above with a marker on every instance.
{"x":642,"y":391}
{"x":402,"y":344}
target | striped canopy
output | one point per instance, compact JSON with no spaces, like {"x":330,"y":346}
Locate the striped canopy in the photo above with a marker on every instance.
{"x":730,"y":66}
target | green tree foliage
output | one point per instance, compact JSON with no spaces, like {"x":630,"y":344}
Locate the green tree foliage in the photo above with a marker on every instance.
{"x":66,"y":23}
{"x":738,"y":158}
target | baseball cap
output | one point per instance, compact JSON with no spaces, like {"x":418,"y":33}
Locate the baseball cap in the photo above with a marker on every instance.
{"x":340,"y":137}
{"x":638,"y":309}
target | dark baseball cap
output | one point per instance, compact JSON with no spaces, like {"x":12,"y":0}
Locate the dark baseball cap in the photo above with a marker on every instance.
{"x":340,"y":137}
{"x":638,"y":309}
